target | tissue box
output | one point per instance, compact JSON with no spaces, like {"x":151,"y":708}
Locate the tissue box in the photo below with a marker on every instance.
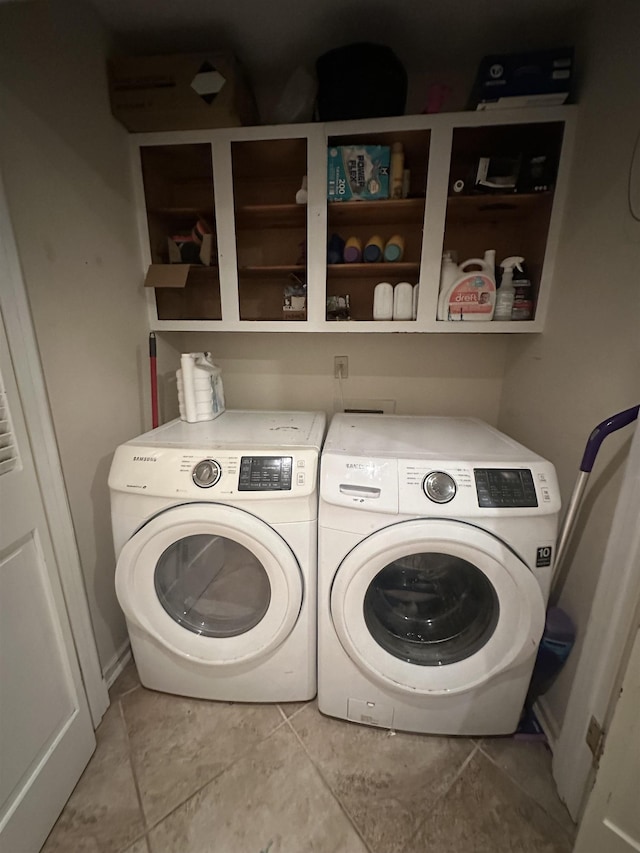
{"x":542,"y":78}
{"x":358,"y":172}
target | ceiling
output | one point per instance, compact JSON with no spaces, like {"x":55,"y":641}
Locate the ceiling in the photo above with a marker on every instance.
{"x":271,"y":39}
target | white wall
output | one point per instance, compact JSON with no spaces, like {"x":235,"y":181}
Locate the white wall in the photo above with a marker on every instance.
{"x":586,"y":366}
{"x":66,"y":169}
{"x":421,"y":374}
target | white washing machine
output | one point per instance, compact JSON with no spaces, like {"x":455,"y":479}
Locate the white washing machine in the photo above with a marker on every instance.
{"x":436,"y":545}
{"x":215,"y":532}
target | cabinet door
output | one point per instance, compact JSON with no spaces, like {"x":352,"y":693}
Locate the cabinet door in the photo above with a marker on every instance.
{"x":375,"y":216}
{"x":502,"y":181}
{"x":271,"y":228}
{"x":179,"y":206}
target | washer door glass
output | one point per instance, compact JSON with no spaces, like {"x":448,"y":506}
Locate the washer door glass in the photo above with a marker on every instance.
{"x":212,"y":585}
{"x":431,"y":609}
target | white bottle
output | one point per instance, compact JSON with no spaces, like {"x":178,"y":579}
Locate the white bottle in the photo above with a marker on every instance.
{"x":449,"y":273}
{"x":403,"y":301}
{"x":383,"y":301}
{"x":506,"y":292}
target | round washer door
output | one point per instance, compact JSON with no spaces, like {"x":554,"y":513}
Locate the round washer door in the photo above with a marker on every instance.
{"x":211,"y":583}
{"x":435,"y":607}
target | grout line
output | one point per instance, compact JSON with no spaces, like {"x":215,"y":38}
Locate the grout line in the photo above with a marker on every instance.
{"x":527,"y":794}
{"x":337,"y":799}
{"x":132,"y":766}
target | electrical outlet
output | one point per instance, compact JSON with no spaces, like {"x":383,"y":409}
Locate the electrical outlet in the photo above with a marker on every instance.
{"x":341,"y":366}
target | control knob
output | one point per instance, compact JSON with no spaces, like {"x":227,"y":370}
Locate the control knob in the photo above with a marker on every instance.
{"x":439,"y":487}
{"x":206,"y":473}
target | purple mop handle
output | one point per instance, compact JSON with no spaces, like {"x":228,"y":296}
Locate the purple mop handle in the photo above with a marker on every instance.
{"x":612,"y":424}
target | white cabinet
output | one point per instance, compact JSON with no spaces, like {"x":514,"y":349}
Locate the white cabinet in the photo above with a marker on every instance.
{"x":263,"y":248}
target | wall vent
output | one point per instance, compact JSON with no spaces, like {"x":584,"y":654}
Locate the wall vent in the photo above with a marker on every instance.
{"x":8,"y":451}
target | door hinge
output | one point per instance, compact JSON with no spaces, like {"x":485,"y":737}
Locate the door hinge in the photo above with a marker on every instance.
{"x":595,"y":739}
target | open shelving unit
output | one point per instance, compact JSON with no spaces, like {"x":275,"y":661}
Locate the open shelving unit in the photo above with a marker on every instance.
{"x":266,"y":247}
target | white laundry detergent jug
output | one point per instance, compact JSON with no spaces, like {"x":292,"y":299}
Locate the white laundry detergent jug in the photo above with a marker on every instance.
{"x":467,"y":293}
{"x":200,"y":391}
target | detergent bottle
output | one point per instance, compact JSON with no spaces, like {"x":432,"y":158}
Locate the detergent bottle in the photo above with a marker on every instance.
{"x":200,"y":390}
{"x":507,"y":291}
{"x":472,"y":294}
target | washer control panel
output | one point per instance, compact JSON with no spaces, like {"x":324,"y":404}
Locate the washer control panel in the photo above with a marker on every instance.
{"x":505,"y":487}
{"x":265,"y":473}
{"x":215,"y":474}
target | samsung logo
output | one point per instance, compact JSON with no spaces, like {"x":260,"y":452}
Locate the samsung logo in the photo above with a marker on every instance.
{"x":144,"y":459}
{"x":356,"y":465}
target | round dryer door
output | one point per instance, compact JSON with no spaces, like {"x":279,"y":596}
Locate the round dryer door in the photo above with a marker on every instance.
{"x":210,"y":582}
{"x":436,"y":607}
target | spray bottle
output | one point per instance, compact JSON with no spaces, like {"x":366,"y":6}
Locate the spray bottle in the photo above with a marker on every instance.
{"x":506,"y":291}
{"x":471,"y":295}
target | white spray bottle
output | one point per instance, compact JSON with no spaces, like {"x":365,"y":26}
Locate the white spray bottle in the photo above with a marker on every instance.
{"x":506,"y":291}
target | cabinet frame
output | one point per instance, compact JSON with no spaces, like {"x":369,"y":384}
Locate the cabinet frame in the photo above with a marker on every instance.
{"x":441,"y":127}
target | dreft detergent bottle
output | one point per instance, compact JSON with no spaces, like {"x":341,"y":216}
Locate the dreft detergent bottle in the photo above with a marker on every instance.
{"x":471,"y":295}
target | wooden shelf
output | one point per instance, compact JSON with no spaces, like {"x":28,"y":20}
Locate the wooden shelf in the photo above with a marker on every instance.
{"x":374,"y":212}
{"x":473,"y":206}
{"x":196,"y":212}
{"x":375,"y":270}
{"x":262,"y":272}
{"x":271,"y":216}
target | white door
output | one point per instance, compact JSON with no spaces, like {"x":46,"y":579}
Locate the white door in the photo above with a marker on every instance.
{"x":210,"y":582}
{"x":611,"y":820}
{"x":46,"y":733}
{"x":435,"y":606}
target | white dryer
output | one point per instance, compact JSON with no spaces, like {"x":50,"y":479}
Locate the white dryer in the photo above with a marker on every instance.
{"x":215,"y":532}
{"x":436,"y":544}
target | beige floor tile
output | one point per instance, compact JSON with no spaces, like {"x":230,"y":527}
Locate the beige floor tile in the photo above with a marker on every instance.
{"x":385,"y":781}
{"x":529,"y":765}
{"x":484,"y":812}
{"x":103,"y":813}
{"x":126,"y":681}
{"x":179,"y":744}
{"x":272,"y":800}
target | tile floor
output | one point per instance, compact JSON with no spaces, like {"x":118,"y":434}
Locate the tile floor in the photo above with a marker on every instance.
{"x":175,"y":775}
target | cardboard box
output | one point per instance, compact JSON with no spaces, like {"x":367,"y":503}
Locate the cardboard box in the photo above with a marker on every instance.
{"x":179,"y":92}
{"x":358,"y":172}
{"x":543,"y":78}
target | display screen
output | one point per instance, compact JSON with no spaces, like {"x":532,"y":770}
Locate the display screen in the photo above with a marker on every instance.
{"x":265,"y":473}
{"x":505,"y":487}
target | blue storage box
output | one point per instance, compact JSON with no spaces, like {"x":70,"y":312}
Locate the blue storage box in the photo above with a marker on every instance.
{"x":543,"y":78}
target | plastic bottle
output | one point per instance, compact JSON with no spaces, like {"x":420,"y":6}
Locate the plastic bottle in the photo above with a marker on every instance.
{"x":394,"y":248}
{"x":335,"y":249}
{"x":373,"y":249}
{"x":402,"y":301}
{"x":506,"y":291}
{"x":200,"y":391}
{"x":383,"y":301}
{"x":523,"y":299}
{"x":449,"y":274}
{"x":397,"y":170}
{"x":352,"y":251}
{"x":472,"y":294}
{"x":302,"y":195}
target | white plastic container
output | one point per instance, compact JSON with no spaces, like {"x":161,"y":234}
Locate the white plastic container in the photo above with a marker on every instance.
{"x":403,"y":301}
{"x":383,"y":301}
{"x":200,"y":391}
{"x":472,"y":294}
{"x":416,"y":296}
